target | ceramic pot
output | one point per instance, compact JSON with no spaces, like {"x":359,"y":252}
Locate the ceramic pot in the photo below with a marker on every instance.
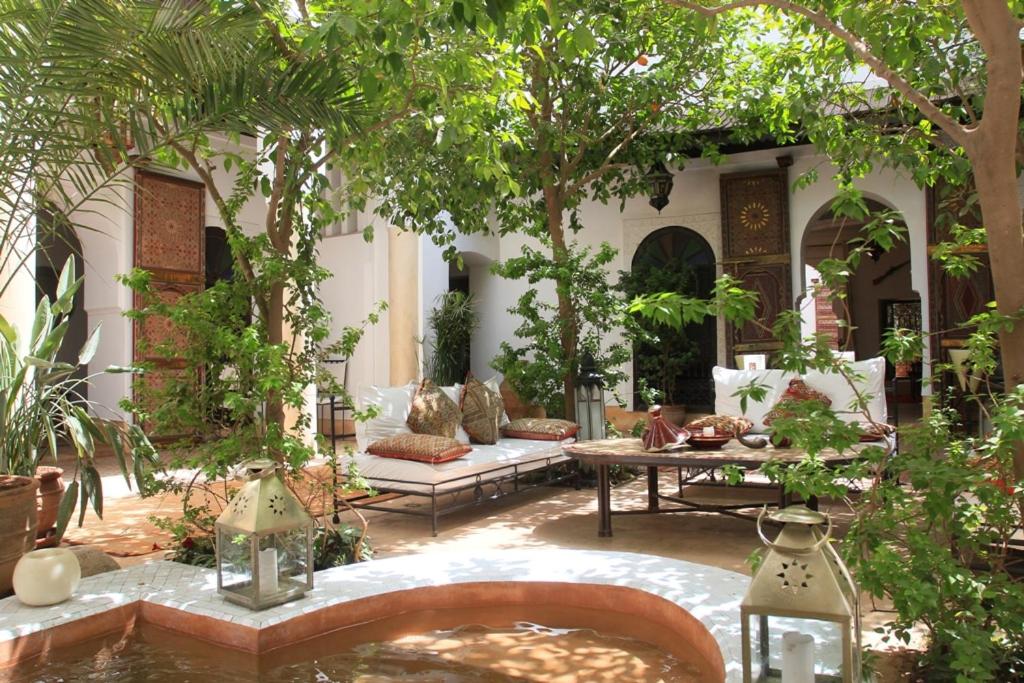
{"x":661,"y":433}
{"x":17,"y":524}
{"x":46,"y":577}
{"x":51,"y":489}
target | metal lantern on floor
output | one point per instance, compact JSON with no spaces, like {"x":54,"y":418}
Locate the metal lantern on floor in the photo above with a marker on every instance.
{"x":590,"y":401}
{"x":805,"y":605}
{"x":660,"y":182}
{"x":264,"y":542}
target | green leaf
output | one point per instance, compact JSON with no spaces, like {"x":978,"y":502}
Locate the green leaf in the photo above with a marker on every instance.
{"x":8,"y":331}
{"x":66,"y":507}
{"x":67,"y":276}
{"x":89,"y":348}
{"x":93,"y":483}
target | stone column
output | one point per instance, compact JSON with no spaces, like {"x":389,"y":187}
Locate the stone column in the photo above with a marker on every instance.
{"x":403,"y":306}
{"x":17,"y":271}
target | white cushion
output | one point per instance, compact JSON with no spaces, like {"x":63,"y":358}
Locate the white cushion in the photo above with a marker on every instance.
{"x":869,"y":378}
{"x":454,"y":392}
{"x":394,"y":404}
{"x":728,"y":382}
{"x":494,"y":384}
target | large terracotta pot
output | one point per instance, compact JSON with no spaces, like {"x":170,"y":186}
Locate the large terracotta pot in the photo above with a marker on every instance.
{"x":17,"y":524}
{"x":51,"y":490}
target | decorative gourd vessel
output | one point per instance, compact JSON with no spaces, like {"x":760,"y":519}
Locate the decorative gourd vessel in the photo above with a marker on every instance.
{"x":661,"y":433}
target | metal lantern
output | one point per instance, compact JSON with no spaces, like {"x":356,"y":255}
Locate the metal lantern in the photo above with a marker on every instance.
{"x":660,"y":181}
{"x":264,"y":542}
{"x":806,"y":605}
{"x":590,"y":401}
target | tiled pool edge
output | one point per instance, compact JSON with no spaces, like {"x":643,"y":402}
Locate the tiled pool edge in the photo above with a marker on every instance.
{"x":168,"y":593}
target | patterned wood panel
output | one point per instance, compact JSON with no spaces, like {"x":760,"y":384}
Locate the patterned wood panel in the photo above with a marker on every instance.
{"x":169,"y":222}
{"x":953,"y":300}
{"x":169,"y":243}
{"x":755,"y":237}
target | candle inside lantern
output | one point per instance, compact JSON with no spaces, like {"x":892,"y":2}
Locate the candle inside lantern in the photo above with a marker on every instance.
{"x":797,"y":657}
{"x":708,"y":431}
{"x":268,"y":571}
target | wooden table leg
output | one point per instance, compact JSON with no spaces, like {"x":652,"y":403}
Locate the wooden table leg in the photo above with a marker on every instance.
{"x":652,"y":489}
{"x":604,"y":502}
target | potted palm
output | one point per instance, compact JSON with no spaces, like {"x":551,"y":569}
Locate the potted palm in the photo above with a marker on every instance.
{"x":42,"y":406}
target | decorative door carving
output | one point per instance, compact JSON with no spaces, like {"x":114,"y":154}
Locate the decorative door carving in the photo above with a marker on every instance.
{"x":954,"y":300}
{"x":755,"y":238}
{"x":169,"y":243}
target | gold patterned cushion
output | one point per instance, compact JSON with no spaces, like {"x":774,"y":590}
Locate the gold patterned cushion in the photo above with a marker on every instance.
{"x":796,"y":392}
{"x":419,"y":447}
{"x":432,"y":412}
{"x":481,"y":412}
{"x":723,"y":424}
{"x":540,"y":428}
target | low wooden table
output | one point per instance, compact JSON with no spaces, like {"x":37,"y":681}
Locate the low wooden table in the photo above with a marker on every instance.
{"x":630,"y":452}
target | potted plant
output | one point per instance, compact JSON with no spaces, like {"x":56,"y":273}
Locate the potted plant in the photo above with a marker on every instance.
{"x":42,"y":405}
{"x":453,"y":322}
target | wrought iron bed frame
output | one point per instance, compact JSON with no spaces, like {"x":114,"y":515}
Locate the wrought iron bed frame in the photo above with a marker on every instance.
{"x":500,"y":476}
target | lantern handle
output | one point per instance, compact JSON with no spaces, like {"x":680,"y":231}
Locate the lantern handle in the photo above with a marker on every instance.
{"x":790,"y":549}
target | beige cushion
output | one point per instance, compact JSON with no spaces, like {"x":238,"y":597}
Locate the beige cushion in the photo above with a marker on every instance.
{"x":433,"y":412}
{"x":419,"y":447}
{"x":482,"y":409}
{"x":542,"y":429}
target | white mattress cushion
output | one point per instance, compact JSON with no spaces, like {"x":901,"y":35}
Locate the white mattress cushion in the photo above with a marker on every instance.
{"x":729,"y":381}
{"x":454,"y":392}
{"x":419,"y":476}
{"x":868,"y":377}
{"x":393,"y":403}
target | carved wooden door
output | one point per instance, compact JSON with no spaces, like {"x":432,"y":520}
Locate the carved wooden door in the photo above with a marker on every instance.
{"x":169,"y":243}
{"x":755,"y":238}
{"x":953,"y":300}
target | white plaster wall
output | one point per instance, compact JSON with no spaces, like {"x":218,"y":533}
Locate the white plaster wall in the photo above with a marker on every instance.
{"x":358,"y":281}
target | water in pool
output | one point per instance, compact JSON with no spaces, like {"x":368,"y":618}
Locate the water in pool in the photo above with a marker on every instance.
{"x":518,"y":652}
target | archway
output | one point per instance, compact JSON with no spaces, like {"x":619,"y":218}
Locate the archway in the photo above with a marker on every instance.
{"x":56,"y":243}
{"x":679,"y":363}
{"x":879,"y":294}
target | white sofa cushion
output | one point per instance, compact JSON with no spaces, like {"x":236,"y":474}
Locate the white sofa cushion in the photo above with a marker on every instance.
{"x":454,"y":392}
{"x":869,"y":378}
{"x":728,"y":382}
{"x":394,"y":404}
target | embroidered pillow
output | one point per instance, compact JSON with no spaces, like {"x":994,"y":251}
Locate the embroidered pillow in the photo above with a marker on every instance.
{"x":420,"y":448}
{"x":723,"y":424}
{"x":796,"y":392}
{"x":432,"y":412}
{"x":540,"y":429}
{"x":481,"y":412}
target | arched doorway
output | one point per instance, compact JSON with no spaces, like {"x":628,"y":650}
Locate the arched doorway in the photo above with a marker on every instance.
{"x":879,"y":294}
{"x":56,"y":243}
{"x":219,"y":262}
{"x":678,"y":363}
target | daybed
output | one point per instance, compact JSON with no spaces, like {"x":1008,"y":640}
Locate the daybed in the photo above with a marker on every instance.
{"x":486,"y":473}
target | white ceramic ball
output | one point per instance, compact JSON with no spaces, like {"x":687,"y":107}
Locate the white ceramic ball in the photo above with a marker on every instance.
{"x":46,"y":577}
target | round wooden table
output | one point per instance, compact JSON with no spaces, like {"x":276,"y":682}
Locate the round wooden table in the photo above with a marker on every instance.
{"x":630,"y":452}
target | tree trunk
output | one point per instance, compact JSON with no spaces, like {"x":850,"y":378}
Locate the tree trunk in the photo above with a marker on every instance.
{"x":1001,"y":213}
{"x":567,"y":331}
{"x":275,"y":335}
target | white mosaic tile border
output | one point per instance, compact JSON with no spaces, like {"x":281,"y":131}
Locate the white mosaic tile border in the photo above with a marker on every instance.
{"x":710,"y":594}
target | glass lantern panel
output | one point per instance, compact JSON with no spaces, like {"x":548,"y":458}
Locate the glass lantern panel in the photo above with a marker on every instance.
{"x":235,"y":559}
{"x":292,"y":555}
{"x":597,"y":428}
{"x":772,"y":652}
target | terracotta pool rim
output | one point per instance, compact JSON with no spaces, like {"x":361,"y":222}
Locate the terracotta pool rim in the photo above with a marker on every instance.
{"x":682,"y":633}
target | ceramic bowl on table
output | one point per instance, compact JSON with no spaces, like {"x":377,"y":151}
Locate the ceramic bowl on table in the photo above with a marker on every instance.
{"x":709,"y":442}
